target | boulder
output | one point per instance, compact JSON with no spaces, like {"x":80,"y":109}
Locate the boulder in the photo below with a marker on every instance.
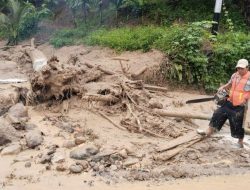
{"x":84,"y":152}
{"x":7,"y":132}
{"x":33,"y":138}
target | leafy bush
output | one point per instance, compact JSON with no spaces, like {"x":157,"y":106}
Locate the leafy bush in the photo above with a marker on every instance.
{"x":66,"y":37}
{"x":199,"y":58}
{"x":183,"y":45}
{"x":126,"y":38}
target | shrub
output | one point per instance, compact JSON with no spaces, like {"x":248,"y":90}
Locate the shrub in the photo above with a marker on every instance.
{"x":126,"y":38}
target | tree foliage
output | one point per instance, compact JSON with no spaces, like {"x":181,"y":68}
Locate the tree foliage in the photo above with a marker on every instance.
{"x":18,"y":18}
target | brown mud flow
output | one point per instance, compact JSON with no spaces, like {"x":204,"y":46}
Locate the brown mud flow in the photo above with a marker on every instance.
{"x":90,"y":117}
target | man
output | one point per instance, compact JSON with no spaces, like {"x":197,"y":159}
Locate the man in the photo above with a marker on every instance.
{"x":234,"y":107}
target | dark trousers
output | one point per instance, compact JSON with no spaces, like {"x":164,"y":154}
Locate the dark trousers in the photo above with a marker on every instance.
{"x":234,"y":114}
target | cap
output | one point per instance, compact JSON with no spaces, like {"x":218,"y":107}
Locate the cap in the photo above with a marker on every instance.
{"x":242,"y":63}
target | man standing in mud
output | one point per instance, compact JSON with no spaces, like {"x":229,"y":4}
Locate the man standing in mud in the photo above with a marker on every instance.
{"x":235,"y":106}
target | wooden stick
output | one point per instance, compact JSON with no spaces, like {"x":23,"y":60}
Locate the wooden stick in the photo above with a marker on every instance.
{"x":120,"y":59}
{"x":155,"y":88}
{"x":103,"y":98}
{"x":107,"y":118}
{"x":181,"y":115}
{"x":100,"y":68}
{"x":135,"y":116}
{"x":178,"y":141}
{"x":174,"y":152}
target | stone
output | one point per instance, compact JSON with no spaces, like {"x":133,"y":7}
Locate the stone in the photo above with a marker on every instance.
{"x":18,"y":111}
{"x":113,"y":167}
{"x":45,"y":159}
{"x":154,"y":103}
{"x":66,"y":127}
{"x":22,"y":157}
{"x":123,"y":153}
{"x":84,"y":152}
{"x":7,"y":132}
{"x":75,"y":168}
{"x":130,"y":162}
{"x":30,"y":126}
{"x":80,"y":140}
{"x":84,"y":164}
{"x":33,"y":138}
{"x":58,"y":157}
{"x":61,"y":168}
{"x":69,"y":144}
{"x":11,"y":149}
{"x":8,"y":97}
{"x":27,"y":165}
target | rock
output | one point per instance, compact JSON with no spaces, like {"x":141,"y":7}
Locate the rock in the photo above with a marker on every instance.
{"x":130,"y":162}
{"x":22,"y":157}
{"x":84,"y":164}
{"x":113,"y":167}
{"x":123,"y":153}
{"x":96,"y":168}
{"x":18,"y":126}
{"x":175,"y":172}
{"x":52,"y":149}
{"x":104,"y":155}
{"x":7,"y":132}
{"x":18,"y":111}
{"x":76,"y":168}
{"x":12,"y":149}
{"x":66,"y":127}
{"x":45,"y":159}
{"x":59,"y":156}
{"x":69,"y":144}
{"x":101,"y":168}
{"x":34,"y":138}
{"x":30,"y":126}
{"x":84,"y":152}
{"x":61,"y":168}
{"x":8,"y":97}
{"x":154,"y":103}
{"x":115,"y":157}
{"x":27,"y":165}
{"x":80,"y":140}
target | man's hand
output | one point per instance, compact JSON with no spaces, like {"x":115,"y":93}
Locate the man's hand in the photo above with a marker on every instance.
{"x":221,"y":88}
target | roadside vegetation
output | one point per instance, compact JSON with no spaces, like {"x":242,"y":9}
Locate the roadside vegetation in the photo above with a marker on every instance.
{"x":179,"y":28}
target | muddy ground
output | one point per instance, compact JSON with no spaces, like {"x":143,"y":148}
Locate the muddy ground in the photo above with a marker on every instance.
{"x":92,"y":120}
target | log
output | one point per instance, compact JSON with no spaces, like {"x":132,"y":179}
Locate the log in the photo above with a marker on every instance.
{"x":155,"y":88}
{"x":12,"y":80}
{"x":120,"y":59}
{"x":171,"y":153}
{"x":103,"y":98}
{"x":181,"y":115}
{"x":180,"y":140}
{"x":39,"y":60}
{"x":100,"y":68}
{"x":135,"y":116}
{"x":140,"y":72}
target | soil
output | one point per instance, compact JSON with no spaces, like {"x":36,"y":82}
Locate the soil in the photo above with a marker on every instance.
{"x":95,"y":111}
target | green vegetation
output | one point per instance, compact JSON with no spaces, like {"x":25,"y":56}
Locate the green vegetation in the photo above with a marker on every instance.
{"x":66,"y":37}
{"x":18,"y":20}
{"x":126,"y":38}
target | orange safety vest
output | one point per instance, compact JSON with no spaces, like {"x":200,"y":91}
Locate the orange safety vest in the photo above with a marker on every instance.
{"x":237,"y":93}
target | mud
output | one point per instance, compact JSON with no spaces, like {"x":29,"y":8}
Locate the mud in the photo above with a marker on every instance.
{"x":85,"y":105}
